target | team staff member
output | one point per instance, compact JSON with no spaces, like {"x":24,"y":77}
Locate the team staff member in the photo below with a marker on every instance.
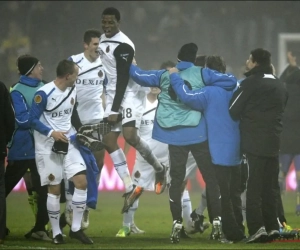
{"x":259,"y":104}
{"x":183,"y":129}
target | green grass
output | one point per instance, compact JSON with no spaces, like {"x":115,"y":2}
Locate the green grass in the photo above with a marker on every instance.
{"x":153,"y":216}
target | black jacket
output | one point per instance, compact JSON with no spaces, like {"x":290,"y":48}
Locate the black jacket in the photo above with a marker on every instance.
{"x":290,"y":137}
{"x":259,"y":103}
{"x":7,"y":119}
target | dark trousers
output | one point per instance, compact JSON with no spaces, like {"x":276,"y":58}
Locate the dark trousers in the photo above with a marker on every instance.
{"x":2,"y":201}
{"x":178,"y":158}
{"x":14,"y":172}
{"x":261,"y":195}
{"x":280,"y":210}
{"x":229,"y":179}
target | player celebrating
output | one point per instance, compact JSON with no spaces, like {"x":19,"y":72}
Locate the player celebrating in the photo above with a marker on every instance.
{"x":89,"y":86}
{"x":124,"y":96}
{"x":52,"y":119}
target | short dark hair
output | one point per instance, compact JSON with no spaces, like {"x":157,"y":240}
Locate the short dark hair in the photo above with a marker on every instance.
{"x":200,"y":61}
{"x":65,"y":67}
{"x":89,"y":34}
{"x":167,"y":64}
{"x":216,"y":63}
{"x":112,"y":12}
{"x":261,"y":56}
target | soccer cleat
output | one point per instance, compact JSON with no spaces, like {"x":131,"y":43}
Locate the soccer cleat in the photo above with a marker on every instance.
{"x":102,"y":128}
{"x":58,"y":239}
{"x":176,"y":229}
{"x":216,"y":233}
{"x":85,"y":222}
{"x":68,"y":216}
{"x":89,"y":142}
{"x":81,"y":236}
{"x":40,"y":235}
{"x":135,"y":230}
{"x":260,"y":236}
{"x":131,"y":197}
{"x":199,"y":224}
{"x":225,"y":241}
{"x":161,"y":180}
{"x":287,"y":232}
{"x":273,"y":235}
{"x":183,"y":234}
{"x":123,"y":232}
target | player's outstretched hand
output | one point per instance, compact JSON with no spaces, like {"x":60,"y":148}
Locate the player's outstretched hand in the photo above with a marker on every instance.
{"x":59,"y":136}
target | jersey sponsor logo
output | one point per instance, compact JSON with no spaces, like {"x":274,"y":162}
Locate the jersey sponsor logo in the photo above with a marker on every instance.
{"x":147,"y":122}
{"x":89,"y":81}
{"x":100,"y":73}
{"x":51,"y":177}
{"x":62,"y":113}
{"x":72,"y":101}
{"x":107,"y":49}
{"x":38,"y":99}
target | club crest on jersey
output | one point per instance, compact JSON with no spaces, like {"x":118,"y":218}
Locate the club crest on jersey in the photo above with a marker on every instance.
{"x":72,"y":101}
{"x":137,"y":174}
{"x":107,"y":49}
{"x":100,"y":73}
{"x":37,"y":99}
{"x":51,"y":177}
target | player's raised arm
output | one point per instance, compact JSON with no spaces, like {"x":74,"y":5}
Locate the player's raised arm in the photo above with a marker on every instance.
{"x":146,"y":78}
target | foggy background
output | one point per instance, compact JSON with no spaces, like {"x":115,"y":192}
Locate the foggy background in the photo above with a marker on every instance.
{"x":53,"y":30}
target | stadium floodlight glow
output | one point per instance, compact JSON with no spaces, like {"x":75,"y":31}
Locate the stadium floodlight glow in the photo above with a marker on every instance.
{"x":283,"y":39}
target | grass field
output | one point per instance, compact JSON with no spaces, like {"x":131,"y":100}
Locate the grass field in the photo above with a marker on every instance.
{"x":153,"y":216}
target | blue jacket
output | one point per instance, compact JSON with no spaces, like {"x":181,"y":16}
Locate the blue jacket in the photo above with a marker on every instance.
{"x":92,"y":171}
{"x":179,"y":136}
{"x":21,"y":147}
{"x":223,"y":132}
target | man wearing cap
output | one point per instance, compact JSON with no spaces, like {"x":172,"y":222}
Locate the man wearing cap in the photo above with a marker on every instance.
{"x":183,"y":129}
{"x":21,"y":150}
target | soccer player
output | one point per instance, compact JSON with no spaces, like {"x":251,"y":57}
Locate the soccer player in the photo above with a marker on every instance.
{"x":89,"y":86}
{"x":53,"y":118}
{"x":124,"y":97}
{"x":143,"y":174}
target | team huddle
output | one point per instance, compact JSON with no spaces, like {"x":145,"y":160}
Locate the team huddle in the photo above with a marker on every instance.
{"x":181,"y":117}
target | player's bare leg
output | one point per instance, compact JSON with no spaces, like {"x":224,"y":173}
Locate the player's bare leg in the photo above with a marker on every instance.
{"x":132,"y":138}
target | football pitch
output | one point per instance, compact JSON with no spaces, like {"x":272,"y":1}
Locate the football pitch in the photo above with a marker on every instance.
{"x":153,"y":216}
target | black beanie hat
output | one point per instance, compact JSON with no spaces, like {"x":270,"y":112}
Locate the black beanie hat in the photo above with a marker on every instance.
{"x":26,"y":64}
{"x":188,"y":53}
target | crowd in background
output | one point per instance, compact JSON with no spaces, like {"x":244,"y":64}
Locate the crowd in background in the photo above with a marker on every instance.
{"x":228,"y":28}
